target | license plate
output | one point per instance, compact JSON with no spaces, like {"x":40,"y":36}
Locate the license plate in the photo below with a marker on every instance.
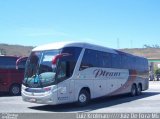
{"x":32,"y":100}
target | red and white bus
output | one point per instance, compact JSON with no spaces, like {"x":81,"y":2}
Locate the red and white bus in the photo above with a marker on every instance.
{"x":77,"y":72}
{"x":10,"y":77}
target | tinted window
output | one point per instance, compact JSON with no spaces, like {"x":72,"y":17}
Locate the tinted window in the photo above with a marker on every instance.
{"x":8,"y":62}
{"x":67,"y":63}
{"x":116,"y":61}
{"x":89,"y":59}
{"x":105,"y":59}
{"x":93,"y":58}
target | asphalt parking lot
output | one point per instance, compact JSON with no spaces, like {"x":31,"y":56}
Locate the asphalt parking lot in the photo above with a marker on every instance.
{"x":148,"y":102}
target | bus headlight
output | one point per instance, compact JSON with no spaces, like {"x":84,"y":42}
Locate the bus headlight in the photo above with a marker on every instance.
{"x":47,"y":89}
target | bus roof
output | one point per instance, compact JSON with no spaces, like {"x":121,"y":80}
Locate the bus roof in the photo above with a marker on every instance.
{"x":59,"y":45}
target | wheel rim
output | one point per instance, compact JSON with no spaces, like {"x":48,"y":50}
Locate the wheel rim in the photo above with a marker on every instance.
{"x":82,"y":98}
{"x":133,"y":90}
{"x":15,"y":90}
{"x":139,"y":89}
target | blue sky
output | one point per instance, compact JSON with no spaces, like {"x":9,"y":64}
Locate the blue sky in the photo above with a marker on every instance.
{"x":104,"y":22}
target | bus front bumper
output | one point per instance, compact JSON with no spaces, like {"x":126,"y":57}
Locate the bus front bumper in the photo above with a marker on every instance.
{"x":41,"y":98}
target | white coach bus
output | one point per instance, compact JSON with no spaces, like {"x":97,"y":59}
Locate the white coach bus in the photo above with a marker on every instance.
{"x":77,"y":72}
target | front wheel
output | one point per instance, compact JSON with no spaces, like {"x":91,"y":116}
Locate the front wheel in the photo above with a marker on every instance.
{"x":83,"y":98}
{"x":15,"y":90}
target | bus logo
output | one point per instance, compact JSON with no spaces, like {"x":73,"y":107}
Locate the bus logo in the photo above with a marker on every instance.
{"x":101,"y":72}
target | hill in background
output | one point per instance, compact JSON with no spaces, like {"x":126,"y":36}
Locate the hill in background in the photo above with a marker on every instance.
{"x":20,"y":50}
{"x":17,"y":50}
{"x":150,"y":53}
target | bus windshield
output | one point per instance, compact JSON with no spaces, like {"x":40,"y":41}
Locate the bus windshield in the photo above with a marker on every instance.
{"x":45,"y":68}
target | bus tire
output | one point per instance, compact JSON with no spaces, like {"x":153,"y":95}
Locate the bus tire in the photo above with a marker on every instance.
{"x":139,"y":89}
{"x":133,"y":90}
{"x":83,"y":98}
{"x":15,"y":90}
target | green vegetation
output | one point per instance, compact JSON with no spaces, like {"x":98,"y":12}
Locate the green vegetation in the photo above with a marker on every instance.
{"x":157,"y":71}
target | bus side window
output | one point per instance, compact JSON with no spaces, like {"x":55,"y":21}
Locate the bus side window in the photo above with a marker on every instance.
{"x":116,"y":61}
{"x":106,"y":60}
{"x":93,"y":58}
{"x":86,"y":60}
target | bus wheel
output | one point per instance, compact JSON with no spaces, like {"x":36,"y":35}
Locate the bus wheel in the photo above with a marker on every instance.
{"x":15,"y":90}
{"x":133,"y":90}
{"x":139,"y":89}
{"x":83,"y":98}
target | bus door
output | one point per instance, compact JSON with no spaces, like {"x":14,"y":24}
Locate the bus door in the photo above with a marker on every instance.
{"x":63,"y":93}
{"x":63,"y":81}
{"x":65,"y":67}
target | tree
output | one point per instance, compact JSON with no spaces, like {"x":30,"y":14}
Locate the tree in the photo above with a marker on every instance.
{"x":151,"y":46}
{"x":157,"y":71}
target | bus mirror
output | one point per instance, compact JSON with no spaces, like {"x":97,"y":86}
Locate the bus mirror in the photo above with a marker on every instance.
{"x":55,"y":58}
{"x":20,"y":63}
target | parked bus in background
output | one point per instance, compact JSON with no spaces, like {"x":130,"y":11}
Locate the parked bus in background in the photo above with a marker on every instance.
{"x":77,"y":72}
{"x":10,"y":77}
